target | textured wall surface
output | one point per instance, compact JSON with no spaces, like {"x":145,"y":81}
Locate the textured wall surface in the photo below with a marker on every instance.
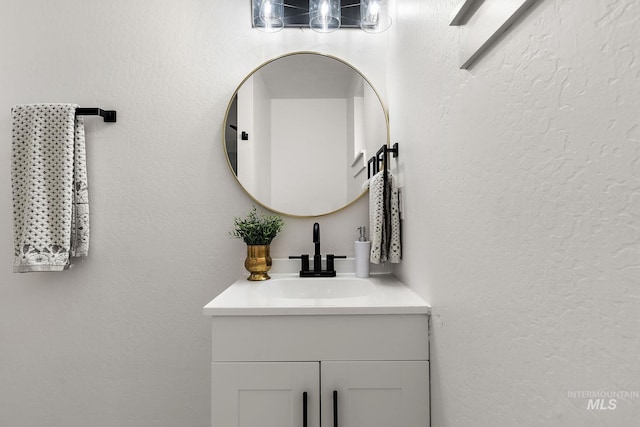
{"x":521,"y":207}
{"x":522,"y":196}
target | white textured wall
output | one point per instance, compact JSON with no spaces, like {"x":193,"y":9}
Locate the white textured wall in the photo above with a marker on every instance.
{"x":120,"y":340}
{"x":522,"y":196}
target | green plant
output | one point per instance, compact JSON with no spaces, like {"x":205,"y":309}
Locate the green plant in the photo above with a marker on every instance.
{"x":257,"y":228}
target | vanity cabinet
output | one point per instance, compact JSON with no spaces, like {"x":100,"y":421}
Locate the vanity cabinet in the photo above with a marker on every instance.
{"x":364,"y":370}
{"x":288,"y":394}
{"x":338,"y":352}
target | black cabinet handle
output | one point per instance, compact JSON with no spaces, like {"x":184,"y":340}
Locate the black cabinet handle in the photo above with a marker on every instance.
{"x":335,"y":408}
{"x":304,"y":409}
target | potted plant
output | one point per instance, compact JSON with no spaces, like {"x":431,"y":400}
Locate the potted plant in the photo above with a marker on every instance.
{"x":257,"y":230}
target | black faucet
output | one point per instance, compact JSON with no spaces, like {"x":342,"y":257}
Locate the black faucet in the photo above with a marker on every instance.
{"x":317,"y":258}
{"x":317,"y":271}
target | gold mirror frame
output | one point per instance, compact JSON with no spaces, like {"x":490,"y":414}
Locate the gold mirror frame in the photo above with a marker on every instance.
{"x":230,"y":104}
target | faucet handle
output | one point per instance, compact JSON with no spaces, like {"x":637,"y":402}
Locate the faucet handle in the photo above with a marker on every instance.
{"x":304,"y":262}
{"x":330,"y":258}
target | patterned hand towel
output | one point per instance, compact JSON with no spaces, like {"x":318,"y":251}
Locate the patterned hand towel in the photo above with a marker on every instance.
{"x":49,"y":183}
{"x":384,"y":220}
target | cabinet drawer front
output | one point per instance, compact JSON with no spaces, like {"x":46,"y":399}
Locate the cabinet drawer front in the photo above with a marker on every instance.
{"x":312,"y":338}
{"x":264,"y":394}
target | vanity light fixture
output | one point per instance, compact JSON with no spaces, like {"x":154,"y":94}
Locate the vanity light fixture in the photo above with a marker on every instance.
{"x":374,"y":15}
{"x":324,"y":15}
{"x":268,"y":15}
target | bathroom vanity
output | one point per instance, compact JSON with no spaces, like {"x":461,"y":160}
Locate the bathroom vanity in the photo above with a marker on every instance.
{"x":313,"y":351}
{"x":317,"y":352}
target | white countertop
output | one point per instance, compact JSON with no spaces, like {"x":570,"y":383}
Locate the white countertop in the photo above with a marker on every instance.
{"x":383,"y":294}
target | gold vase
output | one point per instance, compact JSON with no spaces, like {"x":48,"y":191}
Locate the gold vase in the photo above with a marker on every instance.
{"x":258,"y":262}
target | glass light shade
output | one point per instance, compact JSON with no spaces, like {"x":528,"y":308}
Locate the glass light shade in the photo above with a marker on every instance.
{"x":268,"y":15}
{"x":324,"y":15}
{"x":374,"y":15}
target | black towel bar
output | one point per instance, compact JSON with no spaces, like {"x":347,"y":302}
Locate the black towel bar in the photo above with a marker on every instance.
{"x":373,"y":164}
{"x":108,"y":115}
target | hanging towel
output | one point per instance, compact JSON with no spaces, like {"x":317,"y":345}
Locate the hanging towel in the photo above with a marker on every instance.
{"x":384,"y":219}
{"x":49,"y":183}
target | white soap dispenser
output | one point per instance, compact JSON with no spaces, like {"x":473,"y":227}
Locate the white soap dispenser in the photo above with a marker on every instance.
{"x":362,"y":250}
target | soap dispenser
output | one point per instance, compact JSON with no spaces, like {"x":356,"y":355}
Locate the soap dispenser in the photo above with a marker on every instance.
{"x":362,"y":250}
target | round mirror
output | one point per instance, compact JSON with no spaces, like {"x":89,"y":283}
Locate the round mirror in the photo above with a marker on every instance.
{"x":298,"y":133}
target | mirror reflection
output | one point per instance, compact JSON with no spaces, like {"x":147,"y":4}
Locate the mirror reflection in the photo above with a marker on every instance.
{"x":299,"y":131}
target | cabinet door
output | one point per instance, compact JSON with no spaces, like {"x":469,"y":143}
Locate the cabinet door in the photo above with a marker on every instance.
{"x":375,"y":394}
{"x":264,"y":394}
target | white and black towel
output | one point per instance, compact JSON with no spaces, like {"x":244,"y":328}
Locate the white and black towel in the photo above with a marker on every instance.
{"x":49,"y":183}
{"x":384,"y":219}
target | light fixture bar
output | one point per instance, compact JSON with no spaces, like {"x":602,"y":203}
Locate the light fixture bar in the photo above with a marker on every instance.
{"x":296,"y":13}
